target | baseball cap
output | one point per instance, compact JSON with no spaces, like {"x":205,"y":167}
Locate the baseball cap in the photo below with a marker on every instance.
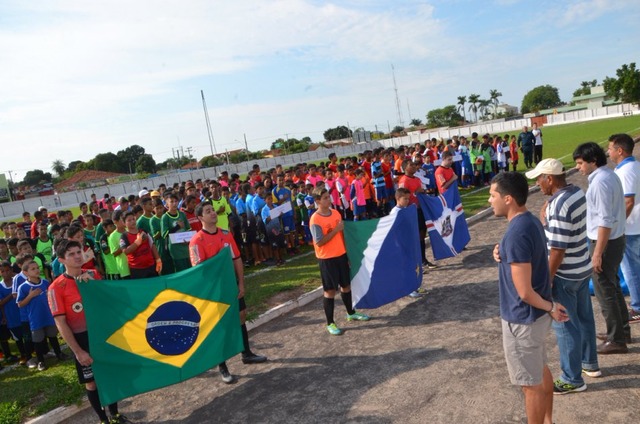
{"x":53,"y":215}
{"x":155,"y":193}
{"x":547,"y":167}
{"x":143,"y":192}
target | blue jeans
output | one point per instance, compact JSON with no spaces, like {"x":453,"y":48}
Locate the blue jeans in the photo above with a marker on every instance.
{"x":576,"y":337}
{"x":630,"y":267}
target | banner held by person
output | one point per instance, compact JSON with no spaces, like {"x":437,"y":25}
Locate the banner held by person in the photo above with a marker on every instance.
{"x":150,"y":333}
{"x":384,"y":256}
{"x":446,"y":224}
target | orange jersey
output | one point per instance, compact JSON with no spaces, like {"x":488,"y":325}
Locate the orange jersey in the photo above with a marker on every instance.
{"x":205,"y":245}
{"x":325,"y":224}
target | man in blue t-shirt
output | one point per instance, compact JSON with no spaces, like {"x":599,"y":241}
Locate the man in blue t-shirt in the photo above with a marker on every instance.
{"x":526,"y":307}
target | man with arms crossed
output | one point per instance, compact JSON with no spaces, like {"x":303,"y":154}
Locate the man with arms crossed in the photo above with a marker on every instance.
{"x":605,"y":230}
{"x":564,"y":217}
{"x":525,"y":295}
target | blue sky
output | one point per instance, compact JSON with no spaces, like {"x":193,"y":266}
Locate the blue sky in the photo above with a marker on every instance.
{"x":82,"y":78}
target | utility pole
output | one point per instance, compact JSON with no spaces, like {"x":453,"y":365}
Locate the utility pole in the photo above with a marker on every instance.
{"x":395,"y":88}
{"x":409,"y":109}
{"x":246,"y":147}
{"x":208,"y":122}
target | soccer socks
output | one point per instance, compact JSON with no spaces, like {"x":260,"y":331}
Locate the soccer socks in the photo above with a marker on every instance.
{"x":113,"y":409}
{"x":245,"y":339}
{"x":328,"y":303}
{"x":5,"y":348}
{"x":41,"y":348}
{"x":346,"y":299}
{"x":94,"y":400}
{"x":55,"y":345}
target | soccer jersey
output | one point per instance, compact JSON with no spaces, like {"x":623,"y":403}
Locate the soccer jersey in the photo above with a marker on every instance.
{"x":108,"y":259}
{"x":412,"y":184}
{"x":320,"y":226}
{"x":17,"y":281}
{"x":10,"y":309}
{"x":194,"y":222}
{"x":121,"y":260}
{"x":169,"y":226}
{"x":205,"y":245}
{"x":144,"y":223}
{"x":37,"y":309}
{"x":140,"y":258}
{"x":223,"y":217}
{"x":45,"y":248}
{"x":64,"y":299}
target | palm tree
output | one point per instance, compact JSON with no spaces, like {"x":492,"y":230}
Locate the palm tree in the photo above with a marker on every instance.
{"x":58,"y":167}
{"x":483,"y":106}
{"x":416,"y":122}
{"x":493,"y":97}
{"x":461,"y":102}
{"x":473,"y":107}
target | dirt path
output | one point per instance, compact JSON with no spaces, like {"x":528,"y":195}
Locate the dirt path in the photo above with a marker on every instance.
{"x":437,"y":359}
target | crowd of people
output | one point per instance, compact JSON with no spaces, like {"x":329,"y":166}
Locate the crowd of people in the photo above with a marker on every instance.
{"x":268,"y":215}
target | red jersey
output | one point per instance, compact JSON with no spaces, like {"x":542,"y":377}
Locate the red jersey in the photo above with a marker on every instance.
{"x":64,"y":299}
{"x":142,"y":257}
{"x":194,"y":222}
{"x":443,"y":175}
{"x":412,"y":184}
{"x":205,"y":245}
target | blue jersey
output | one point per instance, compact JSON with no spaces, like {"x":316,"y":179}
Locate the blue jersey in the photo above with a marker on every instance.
{"x":256,"y":206}
{"x":18,"y":279}
{"x":377,"y":178}
{"x":241,"y":206}
{"x":11,"y":310}
{"x":281,"y":195}
{"x":430,"y":174}
{"x":38,"y":308}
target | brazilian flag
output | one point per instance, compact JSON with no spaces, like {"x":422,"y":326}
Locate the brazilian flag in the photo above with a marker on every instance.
{"x":150,"y":333}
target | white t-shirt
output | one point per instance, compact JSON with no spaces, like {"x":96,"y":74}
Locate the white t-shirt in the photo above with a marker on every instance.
{"x":629,"y":174}
{"x":538,"y":135}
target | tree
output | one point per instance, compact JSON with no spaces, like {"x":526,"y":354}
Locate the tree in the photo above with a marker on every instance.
{"x":627,"y":86}
{"x":36,"y":176}
{"x":541,"y":97}
{"x":493,"y":97}
{"x":128,"y":158}
{"x":73,"y":165}
{"x":337,"y":133}
{"x":462,"y":100}
{"x":473,"y":106}
{"x":447,"y":116}
{"x":211,"y":161}
{"x":585,"y":88}
{"x":397,"y":129}
{"x":145,"y":164}
{"x":107,"y":162}
{"x":416,"y":122}
{"x":58,"y":167}
{"x":483,"y":107}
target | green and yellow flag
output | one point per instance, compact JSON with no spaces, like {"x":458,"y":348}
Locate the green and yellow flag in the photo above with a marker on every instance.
{"x":151,"y":333}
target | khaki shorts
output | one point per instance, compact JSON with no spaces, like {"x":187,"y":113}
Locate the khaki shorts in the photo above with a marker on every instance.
{"x":524,"y":350}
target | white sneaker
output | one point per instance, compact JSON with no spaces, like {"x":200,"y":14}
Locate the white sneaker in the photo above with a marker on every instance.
{"x":593,"y":373}
{"x":415,"y":294}
{"x":32,"y":363}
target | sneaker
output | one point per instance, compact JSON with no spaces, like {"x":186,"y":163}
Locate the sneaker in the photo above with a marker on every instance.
{"x":226,"y":375}
{"x":414,"y":294}
{"x":32,"y":363}
{"x":252,"y":358}
{"x":422,"y":290}
{"x":592,"y":373}
{"x":23,"y":360}
{"x":41,"y":366}
{"x":634,"y":316}
{"x":430,"y":265}
{"x":334,"y":330}
{"x":358,"y":316}
{"x":119,"y":419}
{"x":562,"y":388}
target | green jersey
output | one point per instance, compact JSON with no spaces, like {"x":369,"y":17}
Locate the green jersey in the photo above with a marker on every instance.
{"x":169,"y":225}
{"x":122,"y":264}
{"x":144,"y":224}
{"x":223,"y":217}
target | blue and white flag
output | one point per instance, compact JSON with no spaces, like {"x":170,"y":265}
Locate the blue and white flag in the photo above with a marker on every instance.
{"x":384,"y":256}
{"x":447,"y":227}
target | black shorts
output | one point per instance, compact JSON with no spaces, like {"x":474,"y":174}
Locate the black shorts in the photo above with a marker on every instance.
{"x":242,"y":305}
{"x":335,"y":272}
{"x":148,"y":272}
{"x":422,"y":225}
{"x":249,"y":227}
{"x":277,"y":240}
{"x":85,"y":374}
{"x":262,"y":233}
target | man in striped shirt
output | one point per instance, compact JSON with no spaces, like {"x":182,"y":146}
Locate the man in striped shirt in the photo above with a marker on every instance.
{"x":564,"y":217}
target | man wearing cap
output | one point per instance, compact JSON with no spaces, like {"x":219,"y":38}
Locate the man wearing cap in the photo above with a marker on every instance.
{"x":605,"y":230}
{"x":143,"y":193}
{"x":155,"y":194}
{"x":564,"y":220}
{"x":628,"y":170}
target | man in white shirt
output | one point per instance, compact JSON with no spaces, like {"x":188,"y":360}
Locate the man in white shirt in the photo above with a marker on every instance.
{"x":605,"y":230}
{"x":628,"y":170}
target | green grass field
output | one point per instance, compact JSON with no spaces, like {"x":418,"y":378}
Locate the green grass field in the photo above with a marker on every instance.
{"x":27,"y":393}
{"x":559,"y":143}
